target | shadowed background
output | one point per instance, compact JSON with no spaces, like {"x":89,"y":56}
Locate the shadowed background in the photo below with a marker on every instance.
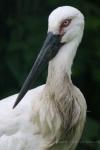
{"x":23,"y":28}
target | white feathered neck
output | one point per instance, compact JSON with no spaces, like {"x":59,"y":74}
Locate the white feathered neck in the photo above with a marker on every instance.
{"x":64,"y":59}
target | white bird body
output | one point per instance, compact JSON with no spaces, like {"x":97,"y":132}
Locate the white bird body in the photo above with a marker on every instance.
{"x":19,"y":132}
{"x":51,"y":116}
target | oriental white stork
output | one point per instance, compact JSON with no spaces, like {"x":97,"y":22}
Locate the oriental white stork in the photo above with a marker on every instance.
{"x":51,"y":116}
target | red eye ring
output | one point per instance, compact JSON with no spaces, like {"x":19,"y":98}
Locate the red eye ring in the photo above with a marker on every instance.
{"x":66,"y":22}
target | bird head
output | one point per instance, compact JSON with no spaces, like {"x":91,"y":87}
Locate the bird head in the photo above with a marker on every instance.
{"x":65,"y":24}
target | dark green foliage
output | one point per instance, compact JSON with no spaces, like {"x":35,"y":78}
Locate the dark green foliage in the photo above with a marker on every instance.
{"x":23,"y":26}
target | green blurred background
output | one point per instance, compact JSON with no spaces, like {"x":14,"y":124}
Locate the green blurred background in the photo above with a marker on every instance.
{"x":23,"y":27}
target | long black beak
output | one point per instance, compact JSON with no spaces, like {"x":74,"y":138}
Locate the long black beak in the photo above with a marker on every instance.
{"x":48,"y":51}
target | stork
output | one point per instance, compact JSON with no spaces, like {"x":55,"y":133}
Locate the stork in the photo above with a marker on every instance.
{"x":51,"y":116}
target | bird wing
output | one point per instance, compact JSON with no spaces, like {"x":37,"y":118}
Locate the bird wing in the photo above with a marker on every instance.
{"x":15,"y":122}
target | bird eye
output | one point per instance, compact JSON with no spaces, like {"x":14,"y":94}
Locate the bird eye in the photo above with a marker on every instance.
{"x":66,"y":22}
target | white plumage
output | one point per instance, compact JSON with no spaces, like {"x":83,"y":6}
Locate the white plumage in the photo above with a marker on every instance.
{"x":51,"y":116}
